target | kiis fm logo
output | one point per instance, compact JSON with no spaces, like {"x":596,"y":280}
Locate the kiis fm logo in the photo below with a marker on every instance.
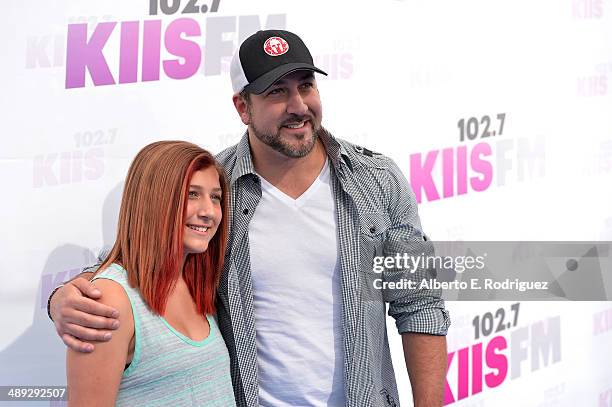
{"x":141,"y":53}
{"x":85,"y":163}
{"x":457,"y":170}
{"x":587,"y":9}
{"x":503,"y":356}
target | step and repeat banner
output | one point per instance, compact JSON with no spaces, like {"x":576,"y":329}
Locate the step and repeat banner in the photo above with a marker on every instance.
{"x":498,"y":113}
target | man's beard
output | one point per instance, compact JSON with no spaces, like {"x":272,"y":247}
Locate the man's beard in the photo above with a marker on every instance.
{"x":277,"y":144}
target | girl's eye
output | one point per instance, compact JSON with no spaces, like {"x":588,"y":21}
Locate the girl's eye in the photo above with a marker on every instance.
{"x":193,"y":194}
{"x":217,"y":197}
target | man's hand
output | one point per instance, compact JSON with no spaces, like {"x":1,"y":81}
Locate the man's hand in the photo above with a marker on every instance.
{"x":79,"y":318}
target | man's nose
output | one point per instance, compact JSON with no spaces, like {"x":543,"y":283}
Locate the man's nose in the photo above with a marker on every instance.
{"x":296,"y":104}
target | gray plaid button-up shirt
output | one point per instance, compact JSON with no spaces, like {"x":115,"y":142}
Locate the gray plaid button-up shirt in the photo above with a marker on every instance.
{"x":374,"y":206}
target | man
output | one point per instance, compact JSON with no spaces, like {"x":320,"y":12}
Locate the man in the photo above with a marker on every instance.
{"x":309,"y":214}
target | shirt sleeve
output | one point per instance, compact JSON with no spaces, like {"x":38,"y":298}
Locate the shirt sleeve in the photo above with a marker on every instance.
{"x":414,"y":309}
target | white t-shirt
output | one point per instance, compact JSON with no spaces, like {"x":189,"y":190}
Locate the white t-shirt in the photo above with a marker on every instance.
{"x":296,"y":292}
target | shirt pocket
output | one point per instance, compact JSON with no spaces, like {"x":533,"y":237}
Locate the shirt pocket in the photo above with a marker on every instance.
{"x":373,"y":234}
{"x":373,"y":226}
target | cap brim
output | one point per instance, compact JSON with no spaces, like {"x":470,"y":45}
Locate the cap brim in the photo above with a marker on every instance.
{"x":266,"y":80}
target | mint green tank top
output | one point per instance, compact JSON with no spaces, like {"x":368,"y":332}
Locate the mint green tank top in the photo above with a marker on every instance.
{"x":168,"y":368}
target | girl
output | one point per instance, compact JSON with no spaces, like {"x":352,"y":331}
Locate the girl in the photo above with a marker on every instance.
{"x":162,"y":274}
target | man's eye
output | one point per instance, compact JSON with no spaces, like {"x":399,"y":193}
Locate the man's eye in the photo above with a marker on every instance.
{"x":275,"y":91}
{"x":307,"y":85}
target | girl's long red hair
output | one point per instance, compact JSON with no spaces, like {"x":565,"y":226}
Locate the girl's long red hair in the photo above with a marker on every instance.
{"x":149,"y":241}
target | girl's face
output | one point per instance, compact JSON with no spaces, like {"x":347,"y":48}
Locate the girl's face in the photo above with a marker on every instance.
{"x":203,"y":213}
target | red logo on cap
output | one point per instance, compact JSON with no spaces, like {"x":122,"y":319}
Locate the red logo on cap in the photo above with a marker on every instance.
{"x":275,"y":46}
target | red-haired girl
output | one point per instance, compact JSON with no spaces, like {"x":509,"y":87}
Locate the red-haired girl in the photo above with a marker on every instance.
{"x":162,"y":275}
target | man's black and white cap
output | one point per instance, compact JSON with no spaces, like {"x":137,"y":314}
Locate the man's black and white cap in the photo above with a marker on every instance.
{"x":267,"y":56}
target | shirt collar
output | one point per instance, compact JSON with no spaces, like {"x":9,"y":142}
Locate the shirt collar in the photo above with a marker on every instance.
{"x":336,"y":152}
{"x":244,"y":161}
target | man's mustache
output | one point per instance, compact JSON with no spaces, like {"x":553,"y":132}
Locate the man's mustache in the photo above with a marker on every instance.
{"x":295,"y":118}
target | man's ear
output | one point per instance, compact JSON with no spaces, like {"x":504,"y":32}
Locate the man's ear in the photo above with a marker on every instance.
{"x":242,"y":108}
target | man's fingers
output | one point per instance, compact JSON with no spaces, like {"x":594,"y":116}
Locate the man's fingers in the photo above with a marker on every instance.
{"x":77,"y":345}
{"x":86,"y":288}
{"x":90,"y":306}
{"x":87,"y":334}
{"x":88,"y":320}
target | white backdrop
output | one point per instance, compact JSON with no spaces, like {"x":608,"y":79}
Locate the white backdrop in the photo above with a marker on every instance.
{"x":409,"y":79}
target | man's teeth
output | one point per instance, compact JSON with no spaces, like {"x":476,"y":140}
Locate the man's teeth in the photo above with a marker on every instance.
{"x":295,"y":126}
{"x":198,"y":228}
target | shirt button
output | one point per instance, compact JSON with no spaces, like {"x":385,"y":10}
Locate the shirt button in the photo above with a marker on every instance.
{"x":245,"y":211}
{"x":372,"y":229}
